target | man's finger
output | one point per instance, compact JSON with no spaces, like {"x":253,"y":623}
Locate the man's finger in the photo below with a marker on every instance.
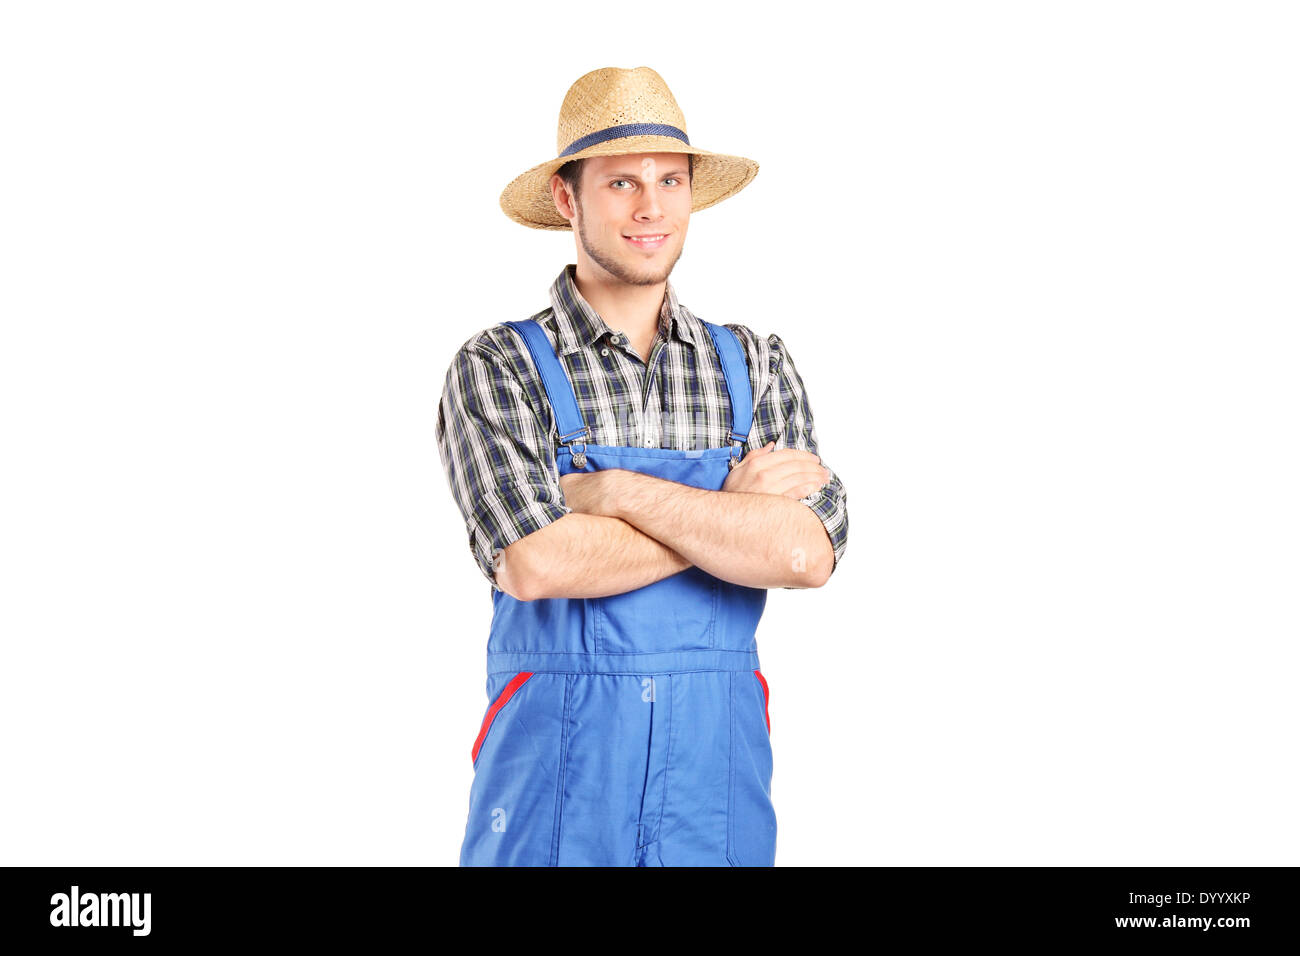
{"x":817,"y":478}
{"x":792,"y":466}
{"x":802,"y":489}
{"x":782,"y":456}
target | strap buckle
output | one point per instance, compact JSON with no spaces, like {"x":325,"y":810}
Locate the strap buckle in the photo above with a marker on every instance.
{"x":578,"y":438}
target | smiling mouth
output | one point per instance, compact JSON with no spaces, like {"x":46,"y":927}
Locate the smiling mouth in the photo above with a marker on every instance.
{"x":648,"y":242}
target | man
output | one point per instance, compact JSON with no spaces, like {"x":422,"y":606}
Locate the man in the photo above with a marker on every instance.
{"x":595,"y":451}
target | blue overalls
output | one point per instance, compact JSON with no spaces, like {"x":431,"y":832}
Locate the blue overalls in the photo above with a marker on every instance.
{"x":629,"y":730}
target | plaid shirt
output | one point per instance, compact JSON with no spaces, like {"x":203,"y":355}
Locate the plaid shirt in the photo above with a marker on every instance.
{"x":497,"y":436}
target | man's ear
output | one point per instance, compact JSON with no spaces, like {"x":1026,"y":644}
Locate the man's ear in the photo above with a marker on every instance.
{"x":562,"y":198}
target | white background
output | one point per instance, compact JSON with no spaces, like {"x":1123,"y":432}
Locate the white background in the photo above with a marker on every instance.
{"x":1036,"y":263}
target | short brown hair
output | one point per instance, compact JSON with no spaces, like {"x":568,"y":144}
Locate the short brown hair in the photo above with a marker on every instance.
{"x":571,"y":172}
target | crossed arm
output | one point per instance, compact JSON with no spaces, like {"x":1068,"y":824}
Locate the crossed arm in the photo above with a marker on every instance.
{"x":538,"y":534}
{"x":629,"y":529}
{"x":584,"y":556}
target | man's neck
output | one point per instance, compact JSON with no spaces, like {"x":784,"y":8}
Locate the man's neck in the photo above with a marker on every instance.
{"x":630,"y":309}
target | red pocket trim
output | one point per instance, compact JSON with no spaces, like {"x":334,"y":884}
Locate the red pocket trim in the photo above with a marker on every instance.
{"x":763,"y":681}
{"x":502,"y":699}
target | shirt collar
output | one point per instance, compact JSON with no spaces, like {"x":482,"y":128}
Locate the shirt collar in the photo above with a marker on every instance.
{"x":578,"y":324}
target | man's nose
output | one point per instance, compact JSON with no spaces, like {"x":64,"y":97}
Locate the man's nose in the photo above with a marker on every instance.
{"x":648,"y":207}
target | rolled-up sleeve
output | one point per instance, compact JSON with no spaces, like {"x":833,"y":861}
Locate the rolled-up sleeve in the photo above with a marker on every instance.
{"x":784,"y":414}
{"x":497,"y":455}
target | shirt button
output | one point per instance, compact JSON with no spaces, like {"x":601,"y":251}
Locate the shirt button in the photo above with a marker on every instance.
{"x":649,"y":442}
{"x":604,"y":351}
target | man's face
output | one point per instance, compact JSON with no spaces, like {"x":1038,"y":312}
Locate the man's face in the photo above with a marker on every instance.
{"x":626,"y":198}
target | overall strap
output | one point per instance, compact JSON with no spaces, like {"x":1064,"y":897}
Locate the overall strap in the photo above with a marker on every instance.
{"x":568,"y":420}
{"x":736,"y":372}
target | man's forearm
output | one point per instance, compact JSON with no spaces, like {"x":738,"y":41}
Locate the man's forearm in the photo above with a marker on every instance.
{"x":585,"y":556}
{"x":758,"y":540}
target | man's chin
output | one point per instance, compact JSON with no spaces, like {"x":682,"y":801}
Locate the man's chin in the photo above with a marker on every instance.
{"x":652,"y":272}
{"x":647,"y":276}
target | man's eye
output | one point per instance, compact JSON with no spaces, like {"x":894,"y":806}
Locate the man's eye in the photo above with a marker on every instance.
{"x":617,"y":181}
{"x":671,"y":179}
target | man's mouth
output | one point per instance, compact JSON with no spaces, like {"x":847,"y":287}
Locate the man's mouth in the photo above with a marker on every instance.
{"x":648,"y":241}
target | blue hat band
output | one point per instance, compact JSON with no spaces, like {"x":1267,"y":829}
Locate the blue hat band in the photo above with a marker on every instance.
{"x":627,"y":129}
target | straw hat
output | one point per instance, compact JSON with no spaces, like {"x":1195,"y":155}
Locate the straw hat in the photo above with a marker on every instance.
{"x":613,"y":112}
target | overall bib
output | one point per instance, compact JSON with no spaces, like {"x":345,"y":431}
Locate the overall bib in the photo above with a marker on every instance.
{"x":628,"y":730}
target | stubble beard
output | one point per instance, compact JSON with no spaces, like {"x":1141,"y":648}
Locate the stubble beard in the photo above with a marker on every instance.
{"x":617,"y":268}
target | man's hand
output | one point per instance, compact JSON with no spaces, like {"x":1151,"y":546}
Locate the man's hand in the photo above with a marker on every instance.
{"x":778,"y":471}
{"x":588,"y":491}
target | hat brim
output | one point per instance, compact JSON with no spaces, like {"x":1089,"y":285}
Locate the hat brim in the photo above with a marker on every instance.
{"x":528,"y":200}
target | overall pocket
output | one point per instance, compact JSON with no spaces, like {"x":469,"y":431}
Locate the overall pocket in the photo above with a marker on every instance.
{"x":503,"y":698}
{"x":766,"y":715}
{"x":751,"y":817}
{"x":677,"y":613}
